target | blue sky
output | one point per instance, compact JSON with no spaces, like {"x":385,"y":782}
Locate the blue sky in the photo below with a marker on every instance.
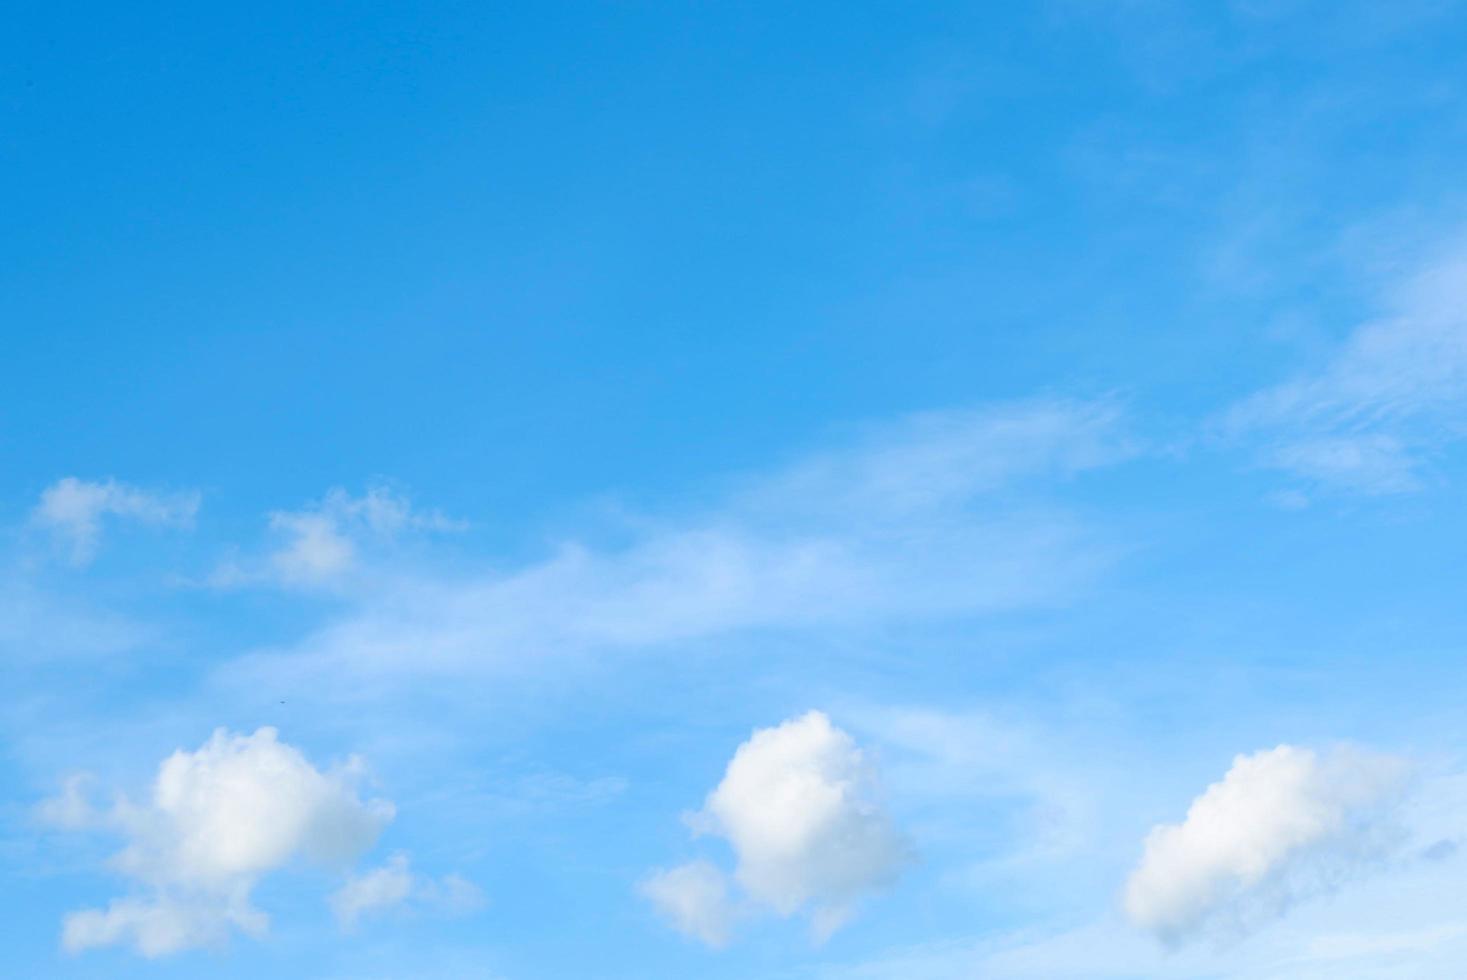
{"x":627,"y":490}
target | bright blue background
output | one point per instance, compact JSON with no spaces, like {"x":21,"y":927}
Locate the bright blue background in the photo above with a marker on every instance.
{"x":533,"y":262}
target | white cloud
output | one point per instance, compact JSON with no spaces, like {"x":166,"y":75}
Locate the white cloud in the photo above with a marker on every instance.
{"x":162,"y":925}
{"x":323,"y":540}
{"x":1391,"y":395}
{"x":218,"y":819}
{"x":1397,"y":916}
{"x":73,"y":809}
{"x":799,"y":805}
{"x":317,"y":549}
{"x":73,"y":509}
{"x":919,"y":519}
{"x":694,"y":899}
{"x":1280,"y":825}
{"x":321,"y":544}
{"x":394,"y":884}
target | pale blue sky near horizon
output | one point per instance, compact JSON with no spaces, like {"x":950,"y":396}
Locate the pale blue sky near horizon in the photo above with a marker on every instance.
{"x":518,"y":407}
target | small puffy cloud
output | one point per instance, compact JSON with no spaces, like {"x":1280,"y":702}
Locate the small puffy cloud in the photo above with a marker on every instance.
{"x":798,"y":803}
{"x":393,"y":885}
{"x":380,"y":888}
{"x":322,"y":543}
{"x":316,"y":549}
{"x":74,"y":509}
{"x":219,"y":818}
{"x":160,"y":926}
{"x":322,"y":540}
{"x":73,"y":809}
{"x":694,"y":900}
{"x":1281,"y":824}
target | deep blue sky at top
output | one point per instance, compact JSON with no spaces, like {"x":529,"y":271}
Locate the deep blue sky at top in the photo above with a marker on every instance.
{"x":558,"y":249}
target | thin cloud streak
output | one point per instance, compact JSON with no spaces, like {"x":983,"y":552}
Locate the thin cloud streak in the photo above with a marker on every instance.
{"x":1372,"y":416}
{"x":934,"y":517}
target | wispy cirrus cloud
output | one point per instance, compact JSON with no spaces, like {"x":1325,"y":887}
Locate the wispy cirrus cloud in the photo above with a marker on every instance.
{"x":1370,"y":418}
{"x":941,"y":514}
{"x":1036,"y":792}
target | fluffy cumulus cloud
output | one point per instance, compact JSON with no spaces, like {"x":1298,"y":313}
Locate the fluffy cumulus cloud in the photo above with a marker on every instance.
{"x":394,"y":885}
{"x":74,"y":510}
{"x":799,"y":806}
{"x":1394,"y":392}
{"x":219,"y":818}
{"x":1281,"y":824}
